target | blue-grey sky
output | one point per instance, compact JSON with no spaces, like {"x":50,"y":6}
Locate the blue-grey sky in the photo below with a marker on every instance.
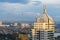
{"x":27,"y":10}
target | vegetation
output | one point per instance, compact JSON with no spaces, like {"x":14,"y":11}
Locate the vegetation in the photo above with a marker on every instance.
{"x":13,"y":36}
{"x":23,"y":37}
{"x":57,"y":38}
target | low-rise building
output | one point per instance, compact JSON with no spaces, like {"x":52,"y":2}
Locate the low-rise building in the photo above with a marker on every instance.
{"x":25,"y":25}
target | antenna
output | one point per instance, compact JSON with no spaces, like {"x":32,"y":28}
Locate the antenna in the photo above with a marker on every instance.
{"x":44,"y":7}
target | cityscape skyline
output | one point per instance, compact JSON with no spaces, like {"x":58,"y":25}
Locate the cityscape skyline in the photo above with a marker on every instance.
{"x":29,"y":19}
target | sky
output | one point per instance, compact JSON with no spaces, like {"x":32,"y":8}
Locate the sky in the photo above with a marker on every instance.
{"x":27,"y":10}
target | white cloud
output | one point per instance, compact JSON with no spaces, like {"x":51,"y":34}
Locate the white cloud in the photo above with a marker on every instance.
{"x":12,"y":7}
{"x":23,"y":10}
{"x":49,"y":1}
{"x":17,"y":10}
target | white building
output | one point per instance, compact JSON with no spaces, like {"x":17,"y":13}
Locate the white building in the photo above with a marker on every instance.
{"x":15,"y":24}
{"x":25,"y":25}
{"x":43,"y":27}
{"x":3,"y":25}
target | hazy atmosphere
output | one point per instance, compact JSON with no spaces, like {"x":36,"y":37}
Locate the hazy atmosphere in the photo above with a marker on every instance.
{"x":25,"y":10}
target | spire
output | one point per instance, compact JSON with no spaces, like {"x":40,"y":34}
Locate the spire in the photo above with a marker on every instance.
{"x":44,"y":8}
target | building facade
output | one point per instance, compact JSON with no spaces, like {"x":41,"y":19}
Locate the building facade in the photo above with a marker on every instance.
{"x":25,"y":25}
{"x":43,"y":27}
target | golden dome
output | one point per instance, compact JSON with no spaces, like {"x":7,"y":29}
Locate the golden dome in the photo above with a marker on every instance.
{"x":44,"y":17}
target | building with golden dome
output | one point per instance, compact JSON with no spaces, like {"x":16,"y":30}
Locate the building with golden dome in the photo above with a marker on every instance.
{"x":43,"y":27}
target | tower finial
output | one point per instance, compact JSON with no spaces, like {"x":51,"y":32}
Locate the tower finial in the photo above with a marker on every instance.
{"x":44,"y":7}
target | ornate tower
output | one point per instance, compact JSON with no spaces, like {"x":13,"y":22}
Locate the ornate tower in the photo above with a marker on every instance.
{"x":43,"y":27}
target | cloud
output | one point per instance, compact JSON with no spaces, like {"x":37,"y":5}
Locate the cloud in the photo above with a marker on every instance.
{"x":50,"y":1}
{"x":16,"y":7}
{"x":18,"y":11}
{"x":47,"y":1}
{"x":25,"y":12}
{"x":15,"y":1}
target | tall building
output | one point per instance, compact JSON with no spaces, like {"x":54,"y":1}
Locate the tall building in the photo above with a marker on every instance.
{"x":43,"y":27}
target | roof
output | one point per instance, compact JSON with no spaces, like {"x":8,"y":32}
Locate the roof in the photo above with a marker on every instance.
{"x":44,"y":17}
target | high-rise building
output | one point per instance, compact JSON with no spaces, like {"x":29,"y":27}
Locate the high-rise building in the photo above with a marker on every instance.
{"x":43,"y":27}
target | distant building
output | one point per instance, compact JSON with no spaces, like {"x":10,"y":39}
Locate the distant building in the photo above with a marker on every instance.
{"x":25,"y":25}
{"x":0,"y":22}
{"x":15,"y":24}
{"x":43,"y":27}
{"x":57,"y":30}
{"x":3,"y":25}
{"x":56,"y":34}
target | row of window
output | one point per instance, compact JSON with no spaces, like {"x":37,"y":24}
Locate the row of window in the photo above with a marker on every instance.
{"x":42,"y":24}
